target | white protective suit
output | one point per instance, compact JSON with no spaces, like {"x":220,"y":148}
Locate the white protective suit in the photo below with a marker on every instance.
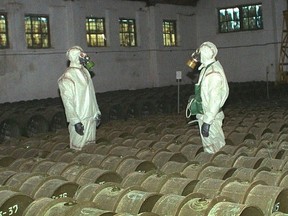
{"x":214,"y":92}
{"x":79,"y":99}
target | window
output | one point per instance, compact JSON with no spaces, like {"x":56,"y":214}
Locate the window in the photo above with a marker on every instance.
{"x":95,"y":32}
{"x":169,"y":33}
{"x":127,"y":32}
{"x":4,"y":43}
{"x":37,"y":31}
{"x":240,"y":18}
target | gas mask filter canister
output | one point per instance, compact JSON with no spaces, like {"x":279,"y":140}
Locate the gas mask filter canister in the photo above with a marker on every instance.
{"x":86,"y":62}
{"x":194,"y":60}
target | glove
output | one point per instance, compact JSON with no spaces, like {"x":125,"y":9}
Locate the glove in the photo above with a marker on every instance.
{"x":79,"y":128}
{"x":98,"y":121}
{"x":205,"y":129}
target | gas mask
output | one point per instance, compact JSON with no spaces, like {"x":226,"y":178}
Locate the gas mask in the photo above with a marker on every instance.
{"x":194,"y":60}
{"x":85,"y":61}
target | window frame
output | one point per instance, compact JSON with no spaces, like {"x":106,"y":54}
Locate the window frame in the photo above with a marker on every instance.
{"x":42,"y":34}
{"x":131,"y":32}
{"x":240,"y":19}
{"x":169,"y":35}
{"x":5,"y":32}
{"x":95,"y":32}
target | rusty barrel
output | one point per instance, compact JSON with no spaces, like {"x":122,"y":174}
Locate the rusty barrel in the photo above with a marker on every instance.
{"x":216,"y":172}
{"x":58,"y":121}
{"x":56,"y":187}
{"x":193,"y":170}
{"x":42,"y":166}
{"x":108,"y":196}
{"x":237,"y":190}
{"x":174,"y":167}
{"x":96,"y":160}
{"x":155,"y":182}
{"x":268,"y":198}
{"x":48,"y":206}
{"x":210,"y":187}
{"x":14,"y":203}
{"x":89,"y":208}
{"x":56,"y":154}
{"x":86,"y":158}
{"x":234,"y":209}
{"x":135,"y":178}
{"x":30,"y":185}
{"x":205,"y":157}
{"x":123,"y":151}
{"x":271,"y":153}
{"x":248,"y":174}
{"x":230,"y":149}
{"x":97,"y":175}
{"x":271,"y":178}
{"x":57,"y":168}
{"x":273,"y":164}
{"x":248,"y":162}
{"x":86,"y":192}
{"x":72,"y":171}
{"x":36,"y":124}
{"x":5,"y":175}
{"x":137,"y":201}
{"x":131,"y":164}
{"x":247,"y":150}
{"x":16,"y":180}
{"x":235,"y":137}
{"x":168,"y":204}
{"x":178,"y":185}
{"x":191,"y":150}
{"x":6,"y":160}
{"x":225,"y":160}
{"x":197,"y":204}
{"x":9,"y":128}
{"x":111,"y":162}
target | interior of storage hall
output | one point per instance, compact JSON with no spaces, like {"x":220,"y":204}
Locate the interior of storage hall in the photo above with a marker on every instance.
{"x":147,"y":160}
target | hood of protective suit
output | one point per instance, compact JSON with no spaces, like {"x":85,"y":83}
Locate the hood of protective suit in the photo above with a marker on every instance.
{"x":73,"y":55}
{"x":208,"y":52}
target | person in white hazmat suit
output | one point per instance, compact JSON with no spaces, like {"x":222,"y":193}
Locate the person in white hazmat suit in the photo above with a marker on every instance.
{"x":214,"y":91}
{"x":79,"y":100}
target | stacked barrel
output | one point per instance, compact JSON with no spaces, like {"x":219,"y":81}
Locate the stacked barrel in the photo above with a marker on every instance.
{"x":148,"y":163}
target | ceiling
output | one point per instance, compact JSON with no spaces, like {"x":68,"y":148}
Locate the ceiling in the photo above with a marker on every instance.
{"x":175,"y":2}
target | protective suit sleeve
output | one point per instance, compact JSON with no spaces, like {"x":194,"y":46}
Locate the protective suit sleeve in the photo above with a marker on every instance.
{"x":67,"y":89}
{"x":215,"y":97}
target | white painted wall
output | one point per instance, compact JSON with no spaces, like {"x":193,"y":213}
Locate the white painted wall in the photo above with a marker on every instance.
{"x":27,"y":74}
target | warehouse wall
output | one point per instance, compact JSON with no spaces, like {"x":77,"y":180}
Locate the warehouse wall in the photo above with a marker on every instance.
{"x":246,"y":56}
{"x":27,"y":74}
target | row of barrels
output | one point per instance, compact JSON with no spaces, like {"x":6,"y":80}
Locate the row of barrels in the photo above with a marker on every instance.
{"x":129,"y":202}
{"x":103,"y":149}
{"x":37,"y":185}
{"x":145,"y":159}
{"x":99,"y":168}
{"x":152,"y":166}
{"x":157,"y":151}
{"x":28,"y":118}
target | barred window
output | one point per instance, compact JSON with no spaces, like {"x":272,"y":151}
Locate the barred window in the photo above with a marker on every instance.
{"x":169,"y":33}
{"x":95,"y":32}
{"x":240,"y":18}
{"x":37,"y":31}
{"x":127,"y":32}
{"x":4,"y":40}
